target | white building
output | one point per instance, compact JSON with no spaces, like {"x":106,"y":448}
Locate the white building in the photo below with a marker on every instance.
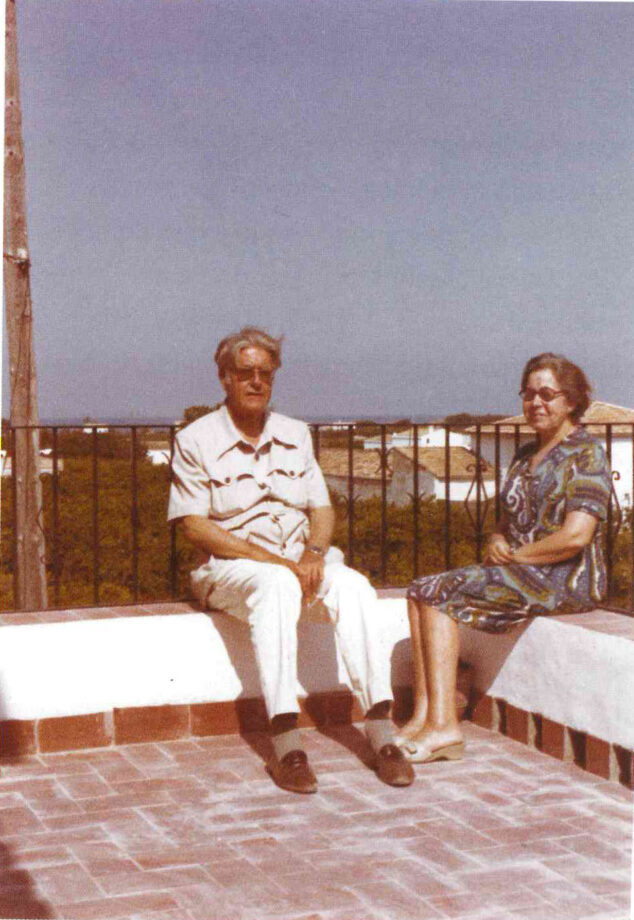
{"x":399,"y":474}
{"x":430,"y":435}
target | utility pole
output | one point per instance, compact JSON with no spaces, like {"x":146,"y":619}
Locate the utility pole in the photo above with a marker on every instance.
{"x":30,"y":555}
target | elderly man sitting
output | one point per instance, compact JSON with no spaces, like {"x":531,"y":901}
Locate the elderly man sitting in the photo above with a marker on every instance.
{"x":247,"y":491}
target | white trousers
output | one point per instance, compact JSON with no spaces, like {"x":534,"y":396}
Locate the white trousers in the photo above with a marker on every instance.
{"x":268,"y":597}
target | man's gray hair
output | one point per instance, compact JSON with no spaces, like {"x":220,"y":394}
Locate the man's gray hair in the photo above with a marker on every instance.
{"x":248,"y":337}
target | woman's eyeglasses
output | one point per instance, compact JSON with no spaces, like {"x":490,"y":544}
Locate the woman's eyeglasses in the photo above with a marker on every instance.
{"x":544,"y":393}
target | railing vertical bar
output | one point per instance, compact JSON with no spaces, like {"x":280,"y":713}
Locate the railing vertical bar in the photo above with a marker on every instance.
{"x":498,"y":475}
{"x":478,"y":494}
{"x":14,"y":504}
{"x":55,"y":521}
{"x":95,"y":517}
{"x":447,"y":521}
{"x":134,"y":512}
{"x":350,"y":495}
{"x":383,"y":501}
{"x":415,"y":503}
{"x":516,"y":435}
{"x":316,"y":430}
{"x":173,"y":560}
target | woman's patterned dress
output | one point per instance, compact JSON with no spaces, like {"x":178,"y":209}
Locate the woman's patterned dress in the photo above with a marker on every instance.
{"x":573,"y":476}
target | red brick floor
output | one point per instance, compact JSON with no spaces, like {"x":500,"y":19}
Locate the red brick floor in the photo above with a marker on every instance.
{"x":195,"y":830}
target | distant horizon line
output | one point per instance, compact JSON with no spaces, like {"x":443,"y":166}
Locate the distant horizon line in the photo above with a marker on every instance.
{"x":162,"y":421}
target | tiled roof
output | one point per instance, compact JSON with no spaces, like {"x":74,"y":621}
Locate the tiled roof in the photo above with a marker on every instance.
{"x":462,"y":462}
{"x":366,"y":463}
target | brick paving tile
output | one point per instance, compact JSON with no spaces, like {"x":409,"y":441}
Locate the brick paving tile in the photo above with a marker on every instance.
{"x":32,"y":789}
{"x":412,"y":875}
{"x":605,"y":828}
{"x":18,"y":820}
{"x":127,"y":882}
{"x":520,"y":852}
{"x":108,"y":863}
{"x":148,"y":758}
{"x":68,"y":882}
{"x":85,"y":787}
{"x":436,"y":853}
{"x":396,"y":902}
{"x":478,"y":815}
{"x":606,"y":885}
{"x":322,"y":897}
{"x":208,"y":902}
{"x":162,"y":857}
{"x":563,"y":912}
{"x":589,"y":845}
{"x":10,"y":800}
{"x":456,"y":836}
{"x":33,"y":857}
{"x":479,"y":903}
{"x":569,"y":898}
{"x":92,"y":833}
{"x":136,"y":799}
{"x":529,"y":872}
{"x":117,"y":908}
{"x":526,"y":832}
{"x":49,"y":808}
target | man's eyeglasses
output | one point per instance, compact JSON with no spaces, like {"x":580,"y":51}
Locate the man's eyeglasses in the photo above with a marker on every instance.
{"x":250,"y":373}
{"x":544,"y":393}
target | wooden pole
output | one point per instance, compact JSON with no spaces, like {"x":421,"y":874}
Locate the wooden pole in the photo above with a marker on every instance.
{"x":30,"y":556}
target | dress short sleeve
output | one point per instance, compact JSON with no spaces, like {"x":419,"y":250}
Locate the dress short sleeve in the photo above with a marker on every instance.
{"x":589,"y":484}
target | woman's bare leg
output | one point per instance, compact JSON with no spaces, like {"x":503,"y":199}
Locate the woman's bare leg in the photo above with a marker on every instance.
{"x":439,"y":635}
{"x":416,"y":723}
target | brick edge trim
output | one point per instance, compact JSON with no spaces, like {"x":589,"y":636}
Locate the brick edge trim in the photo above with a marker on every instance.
{"x":599,"y":757}
{"x":20,"y":738}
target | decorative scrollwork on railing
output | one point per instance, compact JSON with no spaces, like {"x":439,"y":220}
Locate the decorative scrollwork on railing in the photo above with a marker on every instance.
{"x":618,"y":517}
{"x":477,"y":483}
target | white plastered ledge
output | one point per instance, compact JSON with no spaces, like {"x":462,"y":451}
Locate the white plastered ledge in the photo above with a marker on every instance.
{"x":88,"y":666}
{"x":577,"y":670}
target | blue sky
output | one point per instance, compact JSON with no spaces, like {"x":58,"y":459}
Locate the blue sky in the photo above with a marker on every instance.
{"x":418,"y":195}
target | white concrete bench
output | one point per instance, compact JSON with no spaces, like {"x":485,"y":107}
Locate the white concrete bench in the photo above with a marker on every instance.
{"x":166,"y":671}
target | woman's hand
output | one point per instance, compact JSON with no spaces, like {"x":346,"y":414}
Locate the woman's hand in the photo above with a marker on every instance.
{"x":498,"y":551}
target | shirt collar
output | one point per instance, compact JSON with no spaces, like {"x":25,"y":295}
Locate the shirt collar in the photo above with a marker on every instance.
{"x":230,"y":437}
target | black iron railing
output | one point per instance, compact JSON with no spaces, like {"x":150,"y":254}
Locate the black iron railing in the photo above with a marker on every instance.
{"x":101,"y":486}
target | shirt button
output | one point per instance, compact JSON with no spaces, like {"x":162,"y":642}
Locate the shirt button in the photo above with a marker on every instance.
{"x":291,"y":472}
{"x":227,"y":479}
{"x":262,"y":485}
{"x":256,"y":456}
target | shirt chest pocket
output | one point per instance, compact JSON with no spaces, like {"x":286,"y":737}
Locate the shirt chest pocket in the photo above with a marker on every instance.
{"x":287,"y":480}
{"x":233,"y":492}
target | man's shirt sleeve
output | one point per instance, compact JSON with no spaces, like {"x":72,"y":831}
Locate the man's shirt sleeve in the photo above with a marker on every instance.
{"x":190,"y":491}
{"x":316,"y":488}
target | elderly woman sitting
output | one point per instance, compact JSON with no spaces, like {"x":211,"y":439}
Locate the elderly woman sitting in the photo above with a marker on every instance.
{"x":544,"y":557}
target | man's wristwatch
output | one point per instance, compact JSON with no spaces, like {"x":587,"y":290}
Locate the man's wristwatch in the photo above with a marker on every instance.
{"x":316,"y":550}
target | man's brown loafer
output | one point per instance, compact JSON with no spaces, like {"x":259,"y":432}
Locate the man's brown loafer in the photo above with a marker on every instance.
{"x":392,"y":767}
{"x":293,"y":772}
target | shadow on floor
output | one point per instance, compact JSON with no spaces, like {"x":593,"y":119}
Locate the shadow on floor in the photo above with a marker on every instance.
{"x":18,"y":897}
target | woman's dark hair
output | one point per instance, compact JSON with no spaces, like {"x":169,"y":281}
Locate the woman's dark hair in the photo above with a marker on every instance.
{"x":570,"y":378}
